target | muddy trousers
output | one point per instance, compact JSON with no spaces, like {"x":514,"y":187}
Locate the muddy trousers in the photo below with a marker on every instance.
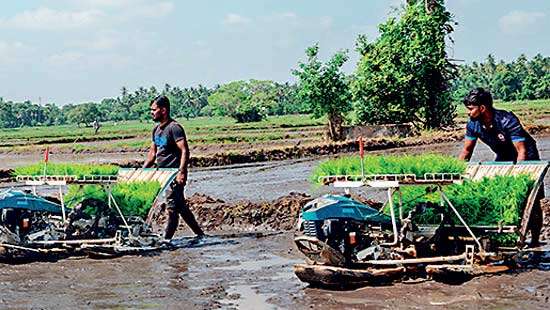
{"x":176,"y":206}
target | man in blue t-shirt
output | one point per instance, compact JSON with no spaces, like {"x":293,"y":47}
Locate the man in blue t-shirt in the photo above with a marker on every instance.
{"x":499,"y":129}
{"x":503,"y":133}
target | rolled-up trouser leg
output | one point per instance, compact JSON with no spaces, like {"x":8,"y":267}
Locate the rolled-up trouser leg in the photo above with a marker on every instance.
{"x":175,"y":204}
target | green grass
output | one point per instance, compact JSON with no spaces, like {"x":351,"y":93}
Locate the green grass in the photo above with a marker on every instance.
{"x":137,"y":128}
{"x":202,"y":130}
{"x":134,"y":198}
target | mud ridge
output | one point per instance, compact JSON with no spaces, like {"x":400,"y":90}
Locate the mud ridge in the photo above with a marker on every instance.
{"x":280,"y":214}
{"x":215,"y":214}
{"x":318,"y":149}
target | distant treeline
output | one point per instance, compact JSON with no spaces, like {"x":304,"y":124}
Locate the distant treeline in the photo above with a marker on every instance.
{"x":233,"y":99}
{"x":252,"y":100}
{"x":522,"y":79}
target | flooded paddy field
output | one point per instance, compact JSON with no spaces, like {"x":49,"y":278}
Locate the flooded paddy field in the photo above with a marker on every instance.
{"x":244,"y":272}
{"x":250,"y":271}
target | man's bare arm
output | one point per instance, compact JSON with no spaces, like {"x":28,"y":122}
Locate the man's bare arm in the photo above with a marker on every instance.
{"x":151,"y":155}
{"x":467,"y":150}
{"x":521,"y":149}
{"x":182,"y":174}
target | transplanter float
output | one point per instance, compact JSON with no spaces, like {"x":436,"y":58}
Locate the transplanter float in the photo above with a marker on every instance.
{"x":348,"y":243}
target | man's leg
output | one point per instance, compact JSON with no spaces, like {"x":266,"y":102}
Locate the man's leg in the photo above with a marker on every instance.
{"x":176,"y":205}
{"x":189,"y":218}
{"x":172,"y":219}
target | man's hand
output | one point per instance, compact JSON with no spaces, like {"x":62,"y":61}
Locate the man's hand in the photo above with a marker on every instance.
{"x":181,"y":178}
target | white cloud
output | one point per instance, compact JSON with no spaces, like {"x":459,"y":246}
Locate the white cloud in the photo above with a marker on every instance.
{"x":148,"y":10}
{"x":396,"y":3}
{"x":88,"y":13}
{"x":519,"y":21}
{"x":107,"y":3}
{"x":232,"y":19}
{"x":49,"y":19}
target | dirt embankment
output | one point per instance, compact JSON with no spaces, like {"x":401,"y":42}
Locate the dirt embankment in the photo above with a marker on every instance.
{"x":326,"y":148}
{"x":309,"y":150}
{"x":280,"y":214}
{"x":215,"y":214}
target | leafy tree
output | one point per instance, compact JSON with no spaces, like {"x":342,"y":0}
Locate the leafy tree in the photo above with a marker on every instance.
{"x":53,"y":115}
{"x":7,"y":115}
{"x":324,"y":87}
{"x":404,"y":76}
{"x":245,"y":101}
{"x":84,"y":113}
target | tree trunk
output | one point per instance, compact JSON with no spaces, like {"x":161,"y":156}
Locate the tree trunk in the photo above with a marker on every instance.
{"x":335,"y":126}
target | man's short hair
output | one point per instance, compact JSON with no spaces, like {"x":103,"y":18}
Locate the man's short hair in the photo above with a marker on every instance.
{"x":162,"y":102}
{"x":479,"y":96}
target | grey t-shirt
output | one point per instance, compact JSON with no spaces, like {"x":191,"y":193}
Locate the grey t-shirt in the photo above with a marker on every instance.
{"x":165,"y":138}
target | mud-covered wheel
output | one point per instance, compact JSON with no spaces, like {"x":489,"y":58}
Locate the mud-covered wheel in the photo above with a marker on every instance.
{"x":319,"y":252}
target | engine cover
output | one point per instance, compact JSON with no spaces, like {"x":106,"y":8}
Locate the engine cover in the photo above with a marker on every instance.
{"x":345,"y":208}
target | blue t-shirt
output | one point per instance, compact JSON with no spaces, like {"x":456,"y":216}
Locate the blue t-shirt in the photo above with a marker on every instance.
{"x":506,"y":130}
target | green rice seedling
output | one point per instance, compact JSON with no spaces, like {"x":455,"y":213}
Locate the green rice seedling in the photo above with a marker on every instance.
{"x":78,"y":170}
{"x":133,"y":198}
{"x":490,"y":201}
{"x":390,"y":164}
{"x":136,"y":198}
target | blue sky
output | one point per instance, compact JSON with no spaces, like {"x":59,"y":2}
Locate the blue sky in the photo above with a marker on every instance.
{"x":72,"y":51}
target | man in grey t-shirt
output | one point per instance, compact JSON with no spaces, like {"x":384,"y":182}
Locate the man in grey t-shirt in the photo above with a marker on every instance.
{"x":169,"y":149}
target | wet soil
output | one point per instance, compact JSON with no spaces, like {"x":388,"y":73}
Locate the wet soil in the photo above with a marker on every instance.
{"x":244,"y":272}
{"x":250,"y":271}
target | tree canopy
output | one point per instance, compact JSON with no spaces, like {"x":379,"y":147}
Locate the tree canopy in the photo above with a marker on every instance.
{"x":405,"y":74}
{"x":521,"y":79}
{"x":324,"y":87}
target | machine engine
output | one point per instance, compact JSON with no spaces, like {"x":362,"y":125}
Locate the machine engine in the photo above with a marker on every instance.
{"x":344,"y":224}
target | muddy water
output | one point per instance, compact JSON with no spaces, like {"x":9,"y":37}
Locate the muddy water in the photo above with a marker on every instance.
{"x":249,"y":272}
